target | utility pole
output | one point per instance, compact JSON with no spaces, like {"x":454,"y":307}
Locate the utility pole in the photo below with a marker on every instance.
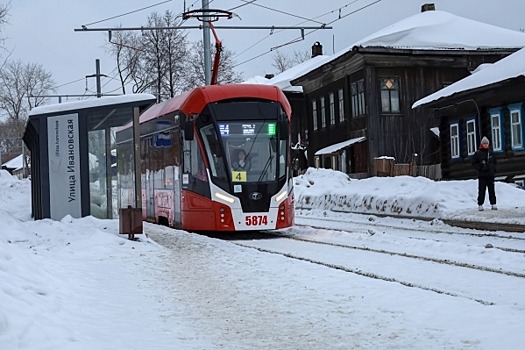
{"x":206,"y":42}
{"x":97,"y":75}
{"x":99,"y":87}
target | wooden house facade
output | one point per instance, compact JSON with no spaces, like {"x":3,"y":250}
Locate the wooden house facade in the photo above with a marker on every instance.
{"x":359,"y":103}
{"x":488,"y":103}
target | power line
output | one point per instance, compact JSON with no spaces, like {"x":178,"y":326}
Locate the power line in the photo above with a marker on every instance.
{"x":128,"y":13}
{"x":279,"y":11}
{"x":338,"y":19}
{"x":295,"y":40}
{"x":305,"y":34}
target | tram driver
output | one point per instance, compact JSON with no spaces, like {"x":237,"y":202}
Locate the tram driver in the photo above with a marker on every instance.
{"x":241,"y":162}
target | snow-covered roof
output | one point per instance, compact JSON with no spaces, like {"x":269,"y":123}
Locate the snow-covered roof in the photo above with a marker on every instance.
{"x":441,"y":30}
{"x":509,"y":67}
{"x":338,"y":146}
{"x":437,"y":30}
{"x":257,"y":79}
{"x":94,"y":102}
{"x":15,"y":163}
{"x":282,"y":80}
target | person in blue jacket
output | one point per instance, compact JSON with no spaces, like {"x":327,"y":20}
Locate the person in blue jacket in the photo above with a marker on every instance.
{"x":485,"y":164}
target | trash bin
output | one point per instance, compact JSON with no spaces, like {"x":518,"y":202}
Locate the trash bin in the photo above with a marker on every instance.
{"x":130,"y":221}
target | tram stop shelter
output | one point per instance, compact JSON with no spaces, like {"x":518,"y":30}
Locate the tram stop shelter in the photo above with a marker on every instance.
{"x":77,"y":167}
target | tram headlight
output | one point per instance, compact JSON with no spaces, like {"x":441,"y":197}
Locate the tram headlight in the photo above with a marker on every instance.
{"x":281,"y":196}
{"x":225,"y":197}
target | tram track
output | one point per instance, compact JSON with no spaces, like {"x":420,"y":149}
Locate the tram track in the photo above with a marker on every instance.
{"x":371,"y":223}
{"x":420,"y":257}
{"x":503,"y":242}
{"x":446,"y":265}
{"x":362,"y":273}
{"x":444,"y":269}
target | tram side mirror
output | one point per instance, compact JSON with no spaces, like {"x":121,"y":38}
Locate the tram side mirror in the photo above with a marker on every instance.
{"x":188,"y":131}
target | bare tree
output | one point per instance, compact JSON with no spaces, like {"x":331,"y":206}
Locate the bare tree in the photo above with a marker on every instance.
{"x":11,"y":132}
{"x":283,"y":62}
{"x":123,"y":45}
{"x":21,"y":88}
{"x":162,"y":61}
{"x":195,"y":75}
{"x":4,"y":12}
{"x":152,"y":61}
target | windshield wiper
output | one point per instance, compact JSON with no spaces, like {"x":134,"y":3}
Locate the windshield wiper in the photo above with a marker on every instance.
{"x":265,"y":169}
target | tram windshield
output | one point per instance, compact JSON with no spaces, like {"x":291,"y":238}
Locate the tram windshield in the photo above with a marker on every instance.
{"x":253,"y":151}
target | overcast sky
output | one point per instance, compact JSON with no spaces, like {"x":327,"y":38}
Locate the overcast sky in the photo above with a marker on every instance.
{"x":43,"y":31}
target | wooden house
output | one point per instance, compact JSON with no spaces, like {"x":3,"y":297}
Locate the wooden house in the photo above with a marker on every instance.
{"x":18,"y":166}
{"x":299,"y":130}
{"x":490,"y":103}
{"x":358,"y":102}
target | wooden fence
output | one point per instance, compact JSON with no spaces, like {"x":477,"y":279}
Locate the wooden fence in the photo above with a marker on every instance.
{"x":388,"y":167}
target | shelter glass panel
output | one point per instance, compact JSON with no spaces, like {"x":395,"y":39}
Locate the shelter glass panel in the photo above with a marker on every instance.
{"x":102,"y":173}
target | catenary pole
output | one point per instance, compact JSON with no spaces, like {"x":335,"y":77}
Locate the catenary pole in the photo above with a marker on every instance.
{"x":206,"y":42}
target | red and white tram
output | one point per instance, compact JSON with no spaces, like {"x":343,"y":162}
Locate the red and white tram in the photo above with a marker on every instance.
{"x":217,"y":158}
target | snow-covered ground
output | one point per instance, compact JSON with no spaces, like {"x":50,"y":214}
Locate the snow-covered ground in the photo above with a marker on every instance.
{"x":77,"y":284}
{"x":407,"y":196}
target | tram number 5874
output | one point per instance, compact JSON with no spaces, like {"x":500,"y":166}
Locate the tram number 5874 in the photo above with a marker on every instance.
{"x":256,"y":220}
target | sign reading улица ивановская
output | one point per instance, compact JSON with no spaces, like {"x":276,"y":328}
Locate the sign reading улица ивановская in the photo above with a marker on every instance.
{"x":64,"y":166}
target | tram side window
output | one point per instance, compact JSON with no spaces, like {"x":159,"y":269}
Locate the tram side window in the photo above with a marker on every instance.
{"x":213,"y":151}
{"x":170,"y":158}
{"x":283,"y":154}
{"x":194,"y":165}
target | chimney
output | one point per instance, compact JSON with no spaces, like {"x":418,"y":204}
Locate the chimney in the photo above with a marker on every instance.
{"x":428,"y":7}
{"x":317,"y":49}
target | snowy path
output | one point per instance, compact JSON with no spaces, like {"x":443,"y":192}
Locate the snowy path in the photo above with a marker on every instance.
{"x":272,"y":301}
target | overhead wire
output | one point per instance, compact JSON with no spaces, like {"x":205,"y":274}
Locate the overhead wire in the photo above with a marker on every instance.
{"x":127,"y":13}
{"x":296,"y":25}
{"x":314,"y":30}
{"x":118,"y":16}
{"x":280,"y":11}
{"x":340,"y":17}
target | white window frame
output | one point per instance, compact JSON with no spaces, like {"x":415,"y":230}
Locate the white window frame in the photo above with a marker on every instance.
{"x":516,"y":130}
{"x":314,"y":114}
{"x":454,"y":141}
{"x":495,"y":126}
{"x":471,"y":137}
{"x":341,"y":101}
{"x":323,"y":112}
{"x":331,"y":101}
